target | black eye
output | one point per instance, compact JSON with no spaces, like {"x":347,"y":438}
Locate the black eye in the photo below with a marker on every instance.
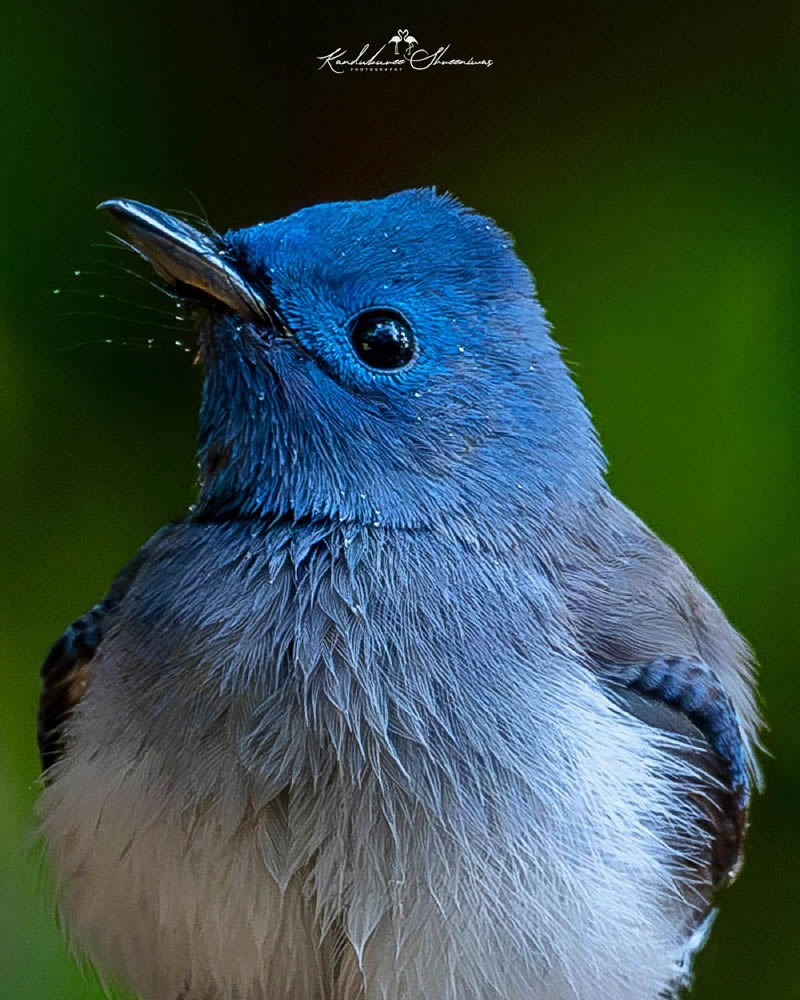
{"x":383,"y":340}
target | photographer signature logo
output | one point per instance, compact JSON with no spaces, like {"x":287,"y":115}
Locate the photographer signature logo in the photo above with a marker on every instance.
{"x":402,"y":51}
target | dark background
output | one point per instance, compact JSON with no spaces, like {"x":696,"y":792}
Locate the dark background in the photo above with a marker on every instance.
{"x":645,"y":159}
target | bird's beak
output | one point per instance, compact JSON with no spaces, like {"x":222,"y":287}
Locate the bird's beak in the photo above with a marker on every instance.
{"x":181,"y":253}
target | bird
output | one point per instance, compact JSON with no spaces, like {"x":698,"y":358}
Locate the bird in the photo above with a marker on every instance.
{"x":407,"y":704}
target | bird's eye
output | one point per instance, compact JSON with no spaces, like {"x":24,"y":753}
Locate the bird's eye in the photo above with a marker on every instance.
{"x":383,"y":340}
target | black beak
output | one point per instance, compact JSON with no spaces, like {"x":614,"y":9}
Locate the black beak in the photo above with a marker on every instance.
{"x":181,"y":253}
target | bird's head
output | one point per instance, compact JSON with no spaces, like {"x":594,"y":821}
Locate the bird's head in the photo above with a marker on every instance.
{"x":377,"y":362}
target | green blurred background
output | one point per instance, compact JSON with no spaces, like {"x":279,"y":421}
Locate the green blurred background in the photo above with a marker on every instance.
{"x":645,"y":159}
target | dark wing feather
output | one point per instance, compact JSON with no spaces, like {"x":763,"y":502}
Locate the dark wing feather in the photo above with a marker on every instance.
{"x":684,"y":696}
{"x":65,"y":676}
{"x":67,"y":670}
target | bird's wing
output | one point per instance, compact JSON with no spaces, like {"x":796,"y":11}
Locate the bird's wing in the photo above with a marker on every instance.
{"x":684,"y":696}
{"x":665,"y":652}
{"x":65,"y":675}
{"x":67,"y":670}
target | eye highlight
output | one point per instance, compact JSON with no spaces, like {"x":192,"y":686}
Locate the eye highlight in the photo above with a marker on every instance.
{"x":383,"y":340}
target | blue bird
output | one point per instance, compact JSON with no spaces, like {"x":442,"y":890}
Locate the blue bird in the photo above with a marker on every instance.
{"x":407,"y":705}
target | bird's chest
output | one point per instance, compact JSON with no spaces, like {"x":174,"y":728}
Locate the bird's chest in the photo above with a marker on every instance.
{"x":177,"y":900}
{"x":249,"y":798}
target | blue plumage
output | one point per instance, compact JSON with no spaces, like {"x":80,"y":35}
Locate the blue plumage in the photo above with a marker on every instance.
{"x":317,"y":432}
{"x":408,"y":704}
